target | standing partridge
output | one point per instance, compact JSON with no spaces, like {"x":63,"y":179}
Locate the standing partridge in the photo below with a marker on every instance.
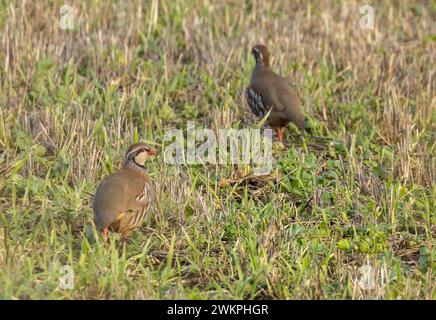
{"x":124,"y":198}
{"x":270,"y":91}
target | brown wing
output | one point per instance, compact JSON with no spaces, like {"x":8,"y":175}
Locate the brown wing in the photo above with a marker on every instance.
{"x":133,"y":219}
{"x":116,"y":197}
{"x":274,"y":91}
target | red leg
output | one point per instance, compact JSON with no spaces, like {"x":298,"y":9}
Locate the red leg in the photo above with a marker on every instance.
{"x":105,"y":232}
{"x":280,"y":134}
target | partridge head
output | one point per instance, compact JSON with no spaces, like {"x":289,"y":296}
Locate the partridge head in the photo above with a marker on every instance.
{"x":124,"y":198}
{"x":270,"y":92}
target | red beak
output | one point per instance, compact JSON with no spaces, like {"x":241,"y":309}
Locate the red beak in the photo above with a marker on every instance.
{"x":152,"y":152}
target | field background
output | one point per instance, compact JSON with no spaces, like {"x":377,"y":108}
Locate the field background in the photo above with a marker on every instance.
{"x":360,"y":191}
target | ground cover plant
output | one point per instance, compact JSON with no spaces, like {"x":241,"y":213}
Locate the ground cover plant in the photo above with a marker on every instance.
{"x":358,"y":192}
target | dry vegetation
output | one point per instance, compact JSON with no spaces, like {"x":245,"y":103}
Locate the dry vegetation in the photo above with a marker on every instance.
{"x":360,"y":191}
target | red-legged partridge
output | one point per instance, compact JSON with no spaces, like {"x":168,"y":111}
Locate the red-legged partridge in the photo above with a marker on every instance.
{"x":270,"y":91}
{"x":124,"y":199}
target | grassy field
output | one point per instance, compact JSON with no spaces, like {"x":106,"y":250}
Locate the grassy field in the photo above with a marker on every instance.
{"x":359,"y":192}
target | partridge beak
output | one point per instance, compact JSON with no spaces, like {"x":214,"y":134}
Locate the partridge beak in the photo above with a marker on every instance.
{"x":152,"y":152}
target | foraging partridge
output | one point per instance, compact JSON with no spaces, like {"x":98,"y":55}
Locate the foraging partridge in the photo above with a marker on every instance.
{"x":270,"y":91}
{"x":124,"y":198}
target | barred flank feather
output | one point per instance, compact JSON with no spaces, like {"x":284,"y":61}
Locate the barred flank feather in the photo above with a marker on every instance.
{"x":255,"y":103}
{"x":145,"y":198}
